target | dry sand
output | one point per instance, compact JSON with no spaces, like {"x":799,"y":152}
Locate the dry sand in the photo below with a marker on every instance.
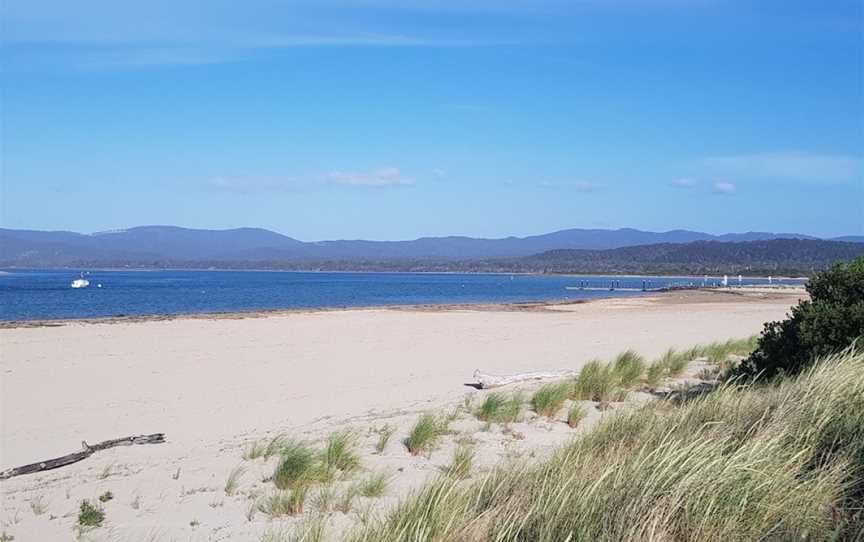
{"x":214,"y":384}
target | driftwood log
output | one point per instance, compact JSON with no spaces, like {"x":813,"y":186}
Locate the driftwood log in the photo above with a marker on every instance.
{"x":486,"y":381}
{"x":87,"y":451}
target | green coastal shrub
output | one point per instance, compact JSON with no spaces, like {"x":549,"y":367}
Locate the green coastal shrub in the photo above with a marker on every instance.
{"x":830,"y":321}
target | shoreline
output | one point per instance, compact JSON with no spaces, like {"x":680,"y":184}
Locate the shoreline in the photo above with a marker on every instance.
{"x":520,"y":306}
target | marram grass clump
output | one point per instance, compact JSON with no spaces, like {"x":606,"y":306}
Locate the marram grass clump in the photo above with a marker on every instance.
{"x":340,"y":454}
{"x":576,"y":414}
{"x":499,"y":407}
{"x":628,"y":368}
{"x":549,"y":399}
{"x":425,"y":434}
{"x":595,"y":382}
{"x":297,"y":465}
{"x":779,"y":462}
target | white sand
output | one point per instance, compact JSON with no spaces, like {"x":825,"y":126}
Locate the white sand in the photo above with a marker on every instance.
{"x":212,"y":384}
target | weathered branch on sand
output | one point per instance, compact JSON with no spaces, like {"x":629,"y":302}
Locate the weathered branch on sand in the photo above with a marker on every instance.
{"x":88,"y":450}
{"x":486,"y":381}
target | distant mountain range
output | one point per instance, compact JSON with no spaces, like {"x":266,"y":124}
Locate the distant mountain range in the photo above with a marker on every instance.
{"x":152,"y":245}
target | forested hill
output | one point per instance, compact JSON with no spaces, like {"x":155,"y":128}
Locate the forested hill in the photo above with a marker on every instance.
{"x":778,"y":256}
{"x":775,"y":257}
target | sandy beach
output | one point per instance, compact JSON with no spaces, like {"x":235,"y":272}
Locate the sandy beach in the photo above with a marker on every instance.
{"x":213,"y":384}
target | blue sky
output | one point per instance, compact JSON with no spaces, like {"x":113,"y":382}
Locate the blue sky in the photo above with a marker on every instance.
{"x":392,"y":120}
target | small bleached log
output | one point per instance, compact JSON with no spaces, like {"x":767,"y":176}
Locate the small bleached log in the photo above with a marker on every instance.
{"x":486,"y":381}
{"x":87,"y":451}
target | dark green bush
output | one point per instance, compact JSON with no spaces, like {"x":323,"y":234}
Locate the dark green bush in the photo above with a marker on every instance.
{"x":830,"y":321}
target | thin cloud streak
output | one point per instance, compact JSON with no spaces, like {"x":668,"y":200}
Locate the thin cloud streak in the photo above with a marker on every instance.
{"x":382,"y":177}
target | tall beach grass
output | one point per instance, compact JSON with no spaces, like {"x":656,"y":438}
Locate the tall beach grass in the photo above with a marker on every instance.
{"x":779,"y":462}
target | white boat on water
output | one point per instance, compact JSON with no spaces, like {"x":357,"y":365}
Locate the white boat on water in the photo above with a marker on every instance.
{"x":80,"y":282}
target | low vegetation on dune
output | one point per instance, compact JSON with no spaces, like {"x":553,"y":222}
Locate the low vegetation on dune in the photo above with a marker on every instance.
{"x":627,"y":368}
{"x":297,"y":465}
{"x":425,"y":434}
{"x":740,"y":463}
{"x":384,"y":433}
{"x":463,"y":459}
{"x":498,"y":407}
{"x":595,"y":382}
{"x":549,"y":399}
{"x":576,"y":414}
{"x":90,"y":515}
{"x":339,"y":454}
{"x":375,"y":485}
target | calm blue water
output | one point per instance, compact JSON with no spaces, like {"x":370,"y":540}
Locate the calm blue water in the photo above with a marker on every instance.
{"x":37,"y":295}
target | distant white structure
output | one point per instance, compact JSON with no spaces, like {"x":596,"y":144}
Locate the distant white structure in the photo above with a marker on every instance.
{"x":725,"y":280}
{"x":80,"y":282}
{"x":739,"y":280}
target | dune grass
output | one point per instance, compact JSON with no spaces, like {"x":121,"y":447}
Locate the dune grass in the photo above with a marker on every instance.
{"x":425,"y":434}
{"x":297,"y":465}
{"x":264,"y":448}
{"x":345,"y":501}
{"x":779,"y":462}
{"x":340,"y":454}
{"x":284,"y":503}
{"x":576,"y":414}
{"x":384,"y":433}
{"x":233,"y":479}
{"x":374,"y":485}
{"x":627,"y":368}
{"x":310,"y":529}
{"x":549,"y":399}
{"x":463,"y":459}
{"x":595,"y":382}
{"x":499,"y":407}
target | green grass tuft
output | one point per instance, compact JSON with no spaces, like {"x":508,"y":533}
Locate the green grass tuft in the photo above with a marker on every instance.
{"x":628,"y":368}
{"x":374,"y":486}
{"x":284,"y":503}
{"x":463,"y":459}
{"x":340,"y":453}
{"x":595,"y":382}
{"x":499,"y":407}
{"x":576,"y":414}
{"x":234,"y":479}
{"x":296,"y":465}
{"x":425,"y":434}
{"x":549,"y":399}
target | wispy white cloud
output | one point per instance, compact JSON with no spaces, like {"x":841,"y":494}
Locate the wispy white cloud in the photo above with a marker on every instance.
{"x":683,"y":183}
{"x":789,"y":166}
{"x":723,"y":187}
{"x":381,"y":177}
{"x":378,"y":178}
